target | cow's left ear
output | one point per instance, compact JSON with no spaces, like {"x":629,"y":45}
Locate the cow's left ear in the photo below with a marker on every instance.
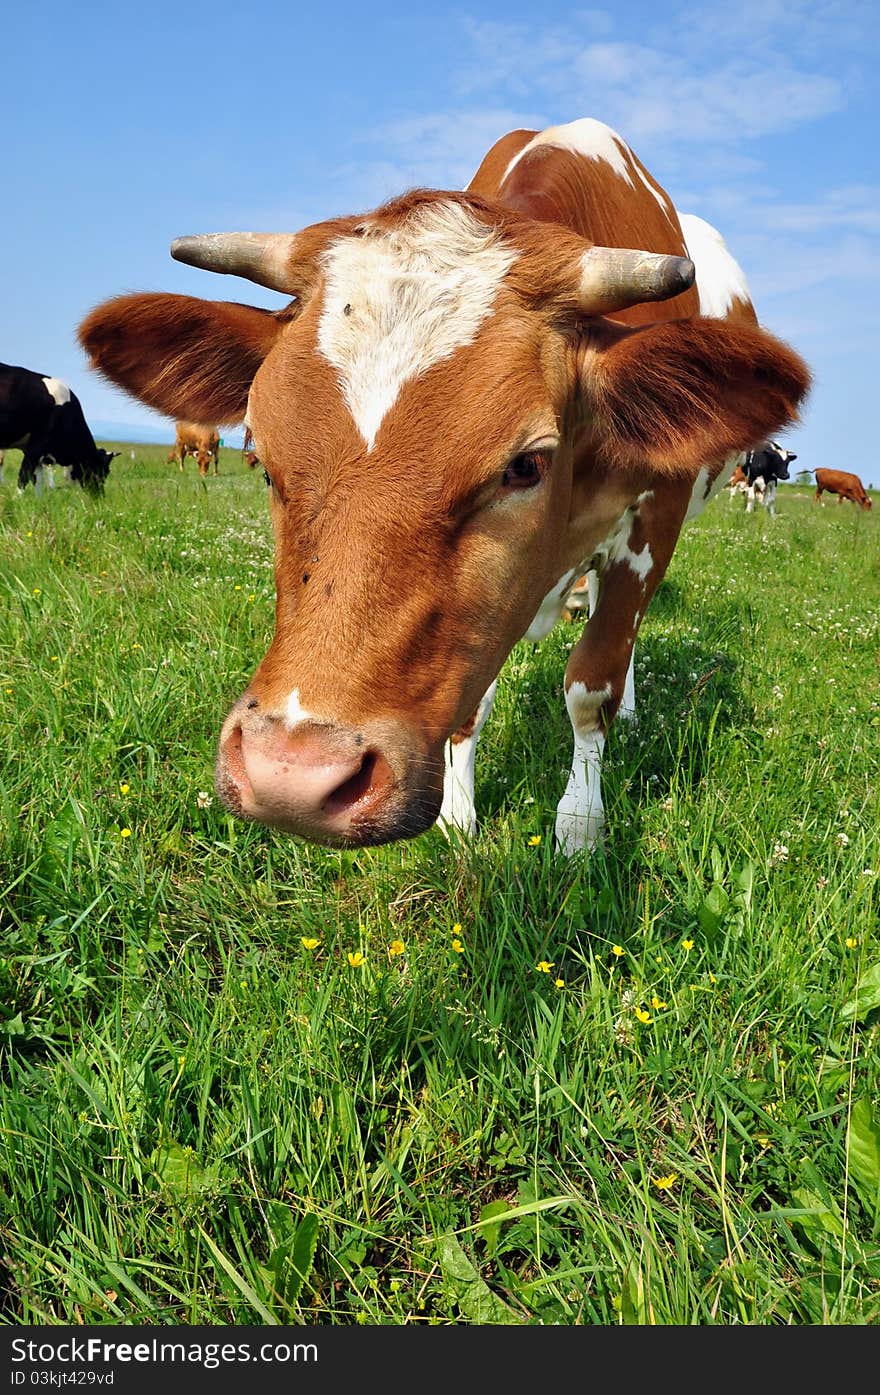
{"x":686,"y":393}
{"x":189,"y":358}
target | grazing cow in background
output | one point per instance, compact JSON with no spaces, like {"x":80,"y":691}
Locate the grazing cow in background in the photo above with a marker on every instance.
{"x":249,"y":455}
{"x":761,"y":470}
{"x":201,"y":442}
{"x":43,"y":418}
{"x":472,"y":399}
{"x":843,"y":484}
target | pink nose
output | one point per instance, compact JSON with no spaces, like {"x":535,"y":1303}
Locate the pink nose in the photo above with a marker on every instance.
{"x":319,"y":781}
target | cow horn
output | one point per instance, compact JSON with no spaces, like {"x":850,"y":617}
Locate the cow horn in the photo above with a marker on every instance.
{"x":260,"y":257}
{"x":613,"y":278}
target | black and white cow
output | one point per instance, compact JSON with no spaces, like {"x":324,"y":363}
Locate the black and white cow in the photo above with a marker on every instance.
{"x":757,"y":476}
{"x":42,"y":417}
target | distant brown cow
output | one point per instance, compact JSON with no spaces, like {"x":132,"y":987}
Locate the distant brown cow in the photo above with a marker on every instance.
{"x":203,"y":442}
{"x":843,"y":484}
{"x":249,"y":455}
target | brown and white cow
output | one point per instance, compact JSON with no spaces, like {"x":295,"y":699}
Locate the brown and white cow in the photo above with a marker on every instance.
{"x":201,"y":442}
{"x":842,"y":483}
{"x":472,"y":399}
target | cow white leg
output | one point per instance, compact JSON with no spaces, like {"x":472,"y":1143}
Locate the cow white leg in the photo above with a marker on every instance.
{"x":770,"y":499}
{"x":750,"y":499}
{"x":580,"y":814}
{"x":458,"y":810}
{"x":40,"y":479}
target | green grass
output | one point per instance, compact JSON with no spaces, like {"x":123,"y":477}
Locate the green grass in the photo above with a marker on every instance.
{"x":204,"y":1122}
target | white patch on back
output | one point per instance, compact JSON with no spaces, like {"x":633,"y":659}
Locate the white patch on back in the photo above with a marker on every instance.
{"x":294,"y":712}
{"x":58,"y":391}
{"x":595,"y":141}
{"x":398,"y":301}
{"x":720,"y":279}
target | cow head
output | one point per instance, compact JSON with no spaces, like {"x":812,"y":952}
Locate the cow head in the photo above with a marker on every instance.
{"x":782,"y":460}
{"x":204,"y":455}
{"x":93,"y":473}
{"x":422,"y":410}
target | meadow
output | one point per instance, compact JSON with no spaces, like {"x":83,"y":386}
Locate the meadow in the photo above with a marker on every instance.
{"x":245,"y":1080}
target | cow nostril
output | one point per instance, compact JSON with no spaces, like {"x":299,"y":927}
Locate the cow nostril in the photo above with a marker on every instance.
{"x":373,"y":774}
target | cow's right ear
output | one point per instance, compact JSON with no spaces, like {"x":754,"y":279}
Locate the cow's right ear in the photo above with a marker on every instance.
{"x":189,"y":358}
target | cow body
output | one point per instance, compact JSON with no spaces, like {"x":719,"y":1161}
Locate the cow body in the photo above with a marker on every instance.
{"x":472,"y":400}
{"x":842,"y":483}
{"x":43,"y":418}
{"x":201,"y":442}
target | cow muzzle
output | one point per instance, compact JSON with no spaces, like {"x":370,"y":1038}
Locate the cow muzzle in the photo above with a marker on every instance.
{"x":328,"y":783}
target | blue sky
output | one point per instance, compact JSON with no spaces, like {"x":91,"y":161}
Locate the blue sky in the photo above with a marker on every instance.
{"x":128,"y":126}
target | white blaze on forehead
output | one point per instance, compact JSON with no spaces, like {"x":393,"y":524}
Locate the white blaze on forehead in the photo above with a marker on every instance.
{"x":596,"y":141}
{"x":720,"y":278}
{"x":397,"y":301}
{"x":58,"y":391}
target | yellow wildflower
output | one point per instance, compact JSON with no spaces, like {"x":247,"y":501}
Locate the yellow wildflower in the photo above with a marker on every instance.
{"x":125,"y":832}
{"x":657,"y":1003}
{"x":712,"y":978}
{"x":396,"y":947}
{"x":123,"y":787}
{"x":456,"y":929}
{"x":534,"y":840}
{"x":642,"y":1015}
{"x":309,"y":942}
{"x":617,"y":950}
{"x":559,"y":983}
{"x":664,"y":1184}
{"x":851,"y":941}
{"x":687,"y":944}
{"x":355,"y":960}
{"x":458,"y":946}
{"x":544,"y":966}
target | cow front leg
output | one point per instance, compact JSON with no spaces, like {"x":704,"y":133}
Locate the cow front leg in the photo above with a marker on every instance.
{"x":458,"y":810}
{"x":627,"y":706}
{"x":600,"y":665}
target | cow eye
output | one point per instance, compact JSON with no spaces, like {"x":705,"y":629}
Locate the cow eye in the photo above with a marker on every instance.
{"x":526,"y":470}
